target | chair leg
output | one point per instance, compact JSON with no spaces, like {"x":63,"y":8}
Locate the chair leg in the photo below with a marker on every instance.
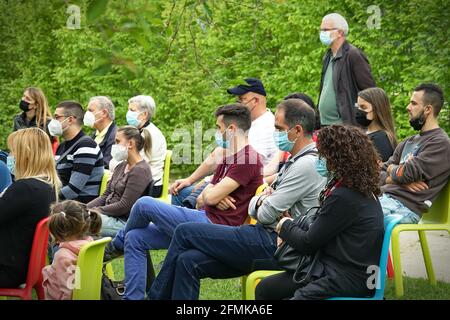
{"x":390,"y":268}
{"x":427,"y":257}
{"x":243,"y":287}
{"x":150,"y":271}
{"x":398,"y":277}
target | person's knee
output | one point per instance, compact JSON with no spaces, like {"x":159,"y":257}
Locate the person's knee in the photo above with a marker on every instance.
{"x":134,"y":239}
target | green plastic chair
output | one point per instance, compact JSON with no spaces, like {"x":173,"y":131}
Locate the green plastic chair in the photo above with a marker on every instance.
{"x":104,"y":182}
{"x":88,"y":274}
{"x":166,"y":175}
{"x":437,"y":218}
{"x":252,"y":280}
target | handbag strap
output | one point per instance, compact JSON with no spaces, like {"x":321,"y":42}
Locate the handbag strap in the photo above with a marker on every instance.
{"x":83,"y":138}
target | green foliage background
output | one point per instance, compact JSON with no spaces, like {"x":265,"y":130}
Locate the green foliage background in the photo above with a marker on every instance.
{"x":186,"y":53}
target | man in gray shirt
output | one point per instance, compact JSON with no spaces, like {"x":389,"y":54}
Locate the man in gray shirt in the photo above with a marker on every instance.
{"x":200,"y":250}
{"x":420,"y":166}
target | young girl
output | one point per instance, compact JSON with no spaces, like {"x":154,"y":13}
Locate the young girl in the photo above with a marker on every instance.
{"x":71,"y":225}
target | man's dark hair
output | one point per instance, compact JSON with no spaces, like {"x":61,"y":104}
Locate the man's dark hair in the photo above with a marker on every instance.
{"x":297,"y":111}
{"x":432,"y":94}
{"x":74,"y":109}
{"x":235,"y":113}
{"x":309,"y":101}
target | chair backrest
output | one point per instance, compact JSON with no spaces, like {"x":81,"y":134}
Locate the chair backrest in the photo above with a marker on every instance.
{"x":88,"y":274}
{"x":440,"y":209}
{"x":166,"y":176}
{"x":104,"y":182}
{"x":389,"y":223}
{"x":38,"y":254}
{"x":258,"y":191}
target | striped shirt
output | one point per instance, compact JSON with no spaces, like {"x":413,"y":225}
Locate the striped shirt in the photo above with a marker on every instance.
{"x":81,"y":170}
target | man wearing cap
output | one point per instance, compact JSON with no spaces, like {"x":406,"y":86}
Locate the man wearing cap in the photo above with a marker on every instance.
{"x":260,"y":136}
{"x":200,"y":250}
{"x":345,"y":72}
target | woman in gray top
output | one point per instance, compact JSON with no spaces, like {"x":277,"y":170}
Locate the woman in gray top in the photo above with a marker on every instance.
{"x":131,"y":178}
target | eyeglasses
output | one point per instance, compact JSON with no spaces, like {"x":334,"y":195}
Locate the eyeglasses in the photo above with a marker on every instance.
{"x":57,"y":117}
{"x":328,"y":29}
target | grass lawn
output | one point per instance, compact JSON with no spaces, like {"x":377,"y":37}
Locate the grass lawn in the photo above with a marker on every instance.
{"x":230,"y":289}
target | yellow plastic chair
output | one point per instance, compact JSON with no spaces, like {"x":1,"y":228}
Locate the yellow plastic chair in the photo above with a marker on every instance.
{"x":166,"y":175}
{"x":88,"y":273}
{"x":104,"y":182}
{"x":437,"y":218}
{"x":252,"y":281}
{"x":250,"y":220}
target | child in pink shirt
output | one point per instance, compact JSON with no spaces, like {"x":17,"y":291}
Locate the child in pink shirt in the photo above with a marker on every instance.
{"x":71,"y":225}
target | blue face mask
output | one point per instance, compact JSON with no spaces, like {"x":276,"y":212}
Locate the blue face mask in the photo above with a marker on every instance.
{"x":11,"y":164}
{"x":282,"y":141}
{"x":132,"y":118}
{"x":325,"y":37}
{"x":220,"y":142}
{"x":321,"y":167}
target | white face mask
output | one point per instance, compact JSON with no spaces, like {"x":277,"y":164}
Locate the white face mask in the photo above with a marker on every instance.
{"x":119,"y":152}
{"x":55,"y":127}
{"x":89,"y":119}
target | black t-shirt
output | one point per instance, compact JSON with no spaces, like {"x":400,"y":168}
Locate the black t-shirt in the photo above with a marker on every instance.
{"x":381,"y":141}
{"x":22,"y":206}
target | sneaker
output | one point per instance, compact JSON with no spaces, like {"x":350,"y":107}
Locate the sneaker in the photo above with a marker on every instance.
{"x":111,"y":253}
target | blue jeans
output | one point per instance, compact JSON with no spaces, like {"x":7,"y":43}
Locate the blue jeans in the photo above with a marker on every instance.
{"x":150,"y":225}
{"x":199,"y":251}
{"x":393,"y":206}
{"x":182,"y":194}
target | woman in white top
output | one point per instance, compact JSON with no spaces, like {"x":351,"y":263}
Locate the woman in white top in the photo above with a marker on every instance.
{"x":141,"y":110}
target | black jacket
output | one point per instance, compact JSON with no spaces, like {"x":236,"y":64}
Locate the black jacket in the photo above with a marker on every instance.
{"x":351,"y":74}
{"x":20,"y":122}
{"x":106,"y":144}
{"x":22,"y":206}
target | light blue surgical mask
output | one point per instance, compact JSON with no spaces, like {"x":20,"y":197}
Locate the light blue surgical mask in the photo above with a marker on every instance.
{"x":282,"y":140}
{"x":132,"y":118}
{"x":321,"y":167}
{"x":325,"y":37}
{"x":220,"y":142}
{"x":11,"y":164}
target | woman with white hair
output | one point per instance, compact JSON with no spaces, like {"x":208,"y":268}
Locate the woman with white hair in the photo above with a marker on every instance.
{"x":141,"y":110}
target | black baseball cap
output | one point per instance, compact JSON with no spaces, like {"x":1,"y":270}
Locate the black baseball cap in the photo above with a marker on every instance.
{"x":253,"y":85}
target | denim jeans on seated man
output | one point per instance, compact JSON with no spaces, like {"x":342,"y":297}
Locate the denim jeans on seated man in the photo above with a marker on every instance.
{"x":177,"y":200}
{"x":185,"y":265}
{"x":139,"y":236}
{"x":393,"y":206}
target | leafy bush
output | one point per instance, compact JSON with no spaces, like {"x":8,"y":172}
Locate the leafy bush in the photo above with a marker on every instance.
{"x":185,"y":54}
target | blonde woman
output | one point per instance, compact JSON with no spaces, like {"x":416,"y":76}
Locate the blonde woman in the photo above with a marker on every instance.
{"x":36,"y":112}
{"x":25,"y":202}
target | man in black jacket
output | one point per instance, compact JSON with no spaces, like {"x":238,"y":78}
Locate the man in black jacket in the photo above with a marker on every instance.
{"x":100,"y":115}
{"x":345,"y":72}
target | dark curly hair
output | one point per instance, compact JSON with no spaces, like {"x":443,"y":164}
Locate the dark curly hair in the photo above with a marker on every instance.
{"x":351,"y":157}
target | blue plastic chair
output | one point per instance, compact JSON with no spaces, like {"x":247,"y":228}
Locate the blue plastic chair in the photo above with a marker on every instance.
{"x":389,"y":224}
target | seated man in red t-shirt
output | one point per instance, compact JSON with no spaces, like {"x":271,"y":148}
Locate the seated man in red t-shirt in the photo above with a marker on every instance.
{"x":151,"y":223}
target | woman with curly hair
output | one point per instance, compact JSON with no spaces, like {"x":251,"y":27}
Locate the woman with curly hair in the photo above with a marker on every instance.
{"x":347,"y":235}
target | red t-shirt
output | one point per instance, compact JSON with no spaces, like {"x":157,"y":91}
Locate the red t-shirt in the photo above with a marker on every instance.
{"x":246,"y":168}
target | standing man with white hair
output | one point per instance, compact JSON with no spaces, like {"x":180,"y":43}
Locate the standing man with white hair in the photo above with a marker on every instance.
{"x":141,"y":110}
{"x":345,"y":72}
{"x":100,"y":115}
